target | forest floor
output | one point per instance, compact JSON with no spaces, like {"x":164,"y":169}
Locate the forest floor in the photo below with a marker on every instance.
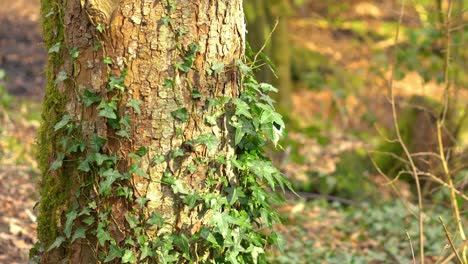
{"x":319,"y":228}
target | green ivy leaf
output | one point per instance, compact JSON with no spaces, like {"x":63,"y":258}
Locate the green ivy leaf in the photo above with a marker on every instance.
{"x":196,"y":94}
{"x":63,"y":122}
{"x":102,"y":235}
{"x":266,"y":87}
{"x":217,"y":67}
{"x":221,"y":221}
{"x":55,"y":48}
{"x":61,"y":76}
{"x":141,"y":201}
{"x":166,"y":20}
{"x":132,"y":220}
{"x":97,"y":142}
{"x":114,"y":252}
{"x":242,"y":108}
{"x":84,"y":165}
{"x":180,"y":114}
{"x":99,"y":28}
{"x":108,"y":111}
{"x":71,"y":216}
{"x":80,"y":232}
{"x":168,"y":83}
{"x":177,"y":153}
{"x":100,"y":158}
{"x":156,"y":219}
{"x":158,"y":159}
{"x":178,"y":187}
{"x":107,"y":61}
{"x":116,"y":82}
{"x":128,"y":257}
{"x":142,"y":151}
{"x":182,"y":242}
{"x":210,"y":141}
{"x":90,"y":98}
{"x":74,"y":53}
{"x":58,"y":162}
{"x":58,"y":241}
{"x":135,"y":104}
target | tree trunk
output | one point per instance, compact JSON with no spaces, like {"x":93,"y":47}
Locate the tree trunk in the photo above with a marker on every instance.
{"x":132,"y":125}
{"x":261,"y":18}
{"x":281,"y":53}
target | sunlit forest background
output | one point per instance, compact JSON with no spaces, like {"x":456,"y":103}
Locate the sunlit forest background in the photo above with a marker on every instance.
{"x":375,"y":95}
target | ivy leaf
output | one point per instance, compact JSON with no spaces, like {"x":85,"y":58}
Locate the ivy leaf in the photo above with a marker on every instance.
{"x":74,"y":53}
{"x":220,"y":220}
{"x":178,"y":187}
{"x":209,"y":140}
{"x":102,"y":235}
{"x":141,"y":201}
{"x":146,"y":251}
{"x":62,"y":123}
{"x":158,"y":159}
{"x":90,"y":97}
{"x":132,"y":220}
{"x":196,"y":94}
{"x":135,"y":104}
{"x":242,"y":108}
{"x":217,"y":67}
{"x":255,"y":252}
{"x":270,"y":116}
{"x":108,"y":111}
{"x":107,"y":61}
{"x":58,"y":162}
{"x":79,"y":233}
{"x":114,"y":252}
{"x":137,"y":170}
{"x":55,"y":48}
{"x":71,"y":216}
{"x":123,"y":133}
{"x":168,"y":83}
{"x":266,"y":87}
{"x":58,"y":241}
{"x":97,"y":142}
{"x":100,"y":158}
{"x":128,"y":257}
{"x":156,"y":219}
{"x":166,"y":20}
{"x":142,"y":151}
{"x":84,"y":165}
{"x":177,"y":153}
{"x":116,"y":82}
{"x":180,"y":114}
{"x":99,"y":28}
{"x":61,"y":76}
{"x":112,"y":174}
{"x":182,"y":242}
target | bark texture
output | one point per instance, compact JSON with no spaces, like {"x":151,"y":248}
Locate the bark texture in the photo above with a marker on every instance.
{"x":138,"y":40}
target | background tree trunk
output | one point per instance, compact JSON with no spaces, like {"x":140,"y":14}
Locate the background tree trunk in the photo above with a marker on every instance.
{"x":261,"y":18}
{"x":167,"y":61}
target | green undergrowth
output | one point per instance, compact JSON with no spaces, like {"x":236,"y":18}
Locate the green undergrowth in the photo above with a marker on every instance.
{"x":368,"y":233}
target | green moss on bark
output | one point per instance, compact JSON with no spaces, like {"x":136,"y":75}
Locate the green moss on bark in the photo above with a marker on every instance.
{"x":54,"y":186}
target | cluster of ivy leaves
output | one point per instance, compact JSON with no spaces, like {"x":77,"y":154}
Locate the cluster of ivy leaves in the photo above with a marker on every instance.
{"x":240,"y":213}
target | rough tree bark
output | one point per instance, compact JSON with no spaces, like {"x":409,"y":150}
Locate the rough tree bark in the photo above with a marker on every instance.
{"x":172,"y":56}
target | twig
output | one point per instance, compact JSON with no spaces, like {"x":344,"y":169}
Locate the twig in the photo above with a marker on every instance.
{"x":450,"y":240}
{"x":411,"y":246}
{"x":265,"y":43}
{"x":400,"y":139}
{"x":453,"y":198}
